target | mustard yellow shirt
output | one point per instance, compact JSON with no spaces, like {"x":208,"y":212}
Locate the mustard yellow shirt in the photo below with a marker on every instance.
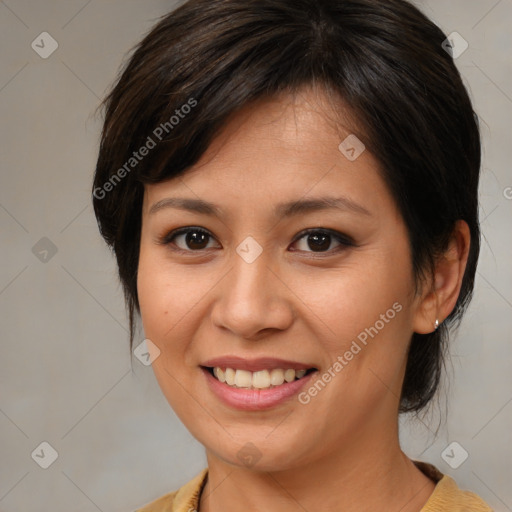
{"x":447,"y":497}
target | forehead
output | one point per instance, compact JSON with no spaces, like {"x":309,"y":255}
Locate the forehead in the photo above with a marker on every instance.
{"x":306,"y":123}
{"x":277,"y":149}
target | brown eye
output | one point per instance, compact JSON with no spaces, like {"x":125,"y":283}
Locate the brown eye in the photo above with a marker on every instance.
{"x":321,"y":240}
{"x":189,"y":239}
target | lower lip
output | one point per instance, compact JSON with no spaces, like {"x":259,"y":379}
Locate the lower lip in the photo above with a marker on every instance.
{"x":255,"y":399}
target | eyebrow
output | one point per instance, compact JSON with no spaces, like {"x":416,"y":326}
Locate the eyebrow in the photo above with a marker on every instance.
{"x":282,"y":210}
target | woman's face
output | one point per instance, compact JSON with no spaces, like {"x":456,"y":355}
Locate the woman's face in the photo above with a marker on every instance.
{"x":300,"y":262}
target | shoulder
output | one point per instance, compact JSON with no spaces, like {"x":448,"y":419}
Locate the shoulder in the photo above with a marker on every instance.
{"x":184,"y":499}
{"x":447,"y":495}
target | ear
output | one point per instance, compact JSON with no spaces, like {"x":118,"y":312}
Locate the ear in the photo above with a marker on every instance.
{"x":440,"y":297}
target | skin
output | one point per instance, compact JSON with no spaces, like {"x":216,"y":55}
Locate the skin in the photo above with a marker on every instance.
{"x":293,"y":302}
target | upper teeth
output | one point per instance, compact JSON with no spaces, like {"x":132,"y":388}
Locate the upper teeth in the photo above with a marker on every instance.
{"x":259,"y":380}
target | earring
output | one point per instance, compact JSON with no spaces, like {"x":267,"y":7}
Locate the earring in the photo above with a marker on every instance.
{"x":436,"y":324}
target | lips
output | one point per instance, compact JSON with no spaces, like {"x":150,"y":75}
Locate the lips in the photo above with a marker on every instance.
{"x":246,"y":397}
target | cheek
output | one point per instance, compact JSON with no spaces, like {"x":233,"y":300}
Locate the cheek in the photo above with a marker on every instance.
{"x":151,"y":286}
{"x":352,"y":299}
{"x":163,"y":299}
{"x":171,"y":299}
{"x":365,"y":311}
{"x":164,"y":305}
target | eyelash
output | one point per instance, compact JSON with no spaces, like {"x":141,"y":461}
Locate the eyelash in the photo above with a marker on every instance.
{"x":342,"y":239}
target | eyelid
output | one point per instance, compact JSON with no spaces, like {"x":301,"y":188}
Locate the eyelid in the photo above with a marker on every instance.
{"x":168,"y":237}
{"x":338,"y":236}
{"x":165,"y":239}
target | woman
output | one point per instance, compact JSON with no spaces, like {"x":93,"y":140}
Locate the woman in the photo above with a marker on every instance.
{"x":290,"y":190}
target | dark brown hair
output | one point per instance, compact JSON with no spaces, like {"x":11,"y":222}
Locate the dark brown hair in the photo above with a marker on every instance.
{"x":385,"y":60}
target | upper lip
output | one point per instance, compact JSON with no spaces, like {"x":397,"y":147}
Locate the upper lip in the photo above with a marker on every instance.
{"x":254,"y":365}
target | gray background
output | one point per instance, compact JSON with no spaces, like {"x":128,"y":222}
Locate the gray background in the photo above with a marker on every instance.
{"x":66,"y":376}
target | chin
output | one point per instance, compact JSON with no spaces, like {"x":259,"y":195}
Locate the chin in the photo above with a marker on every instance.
{"x":258,"y":453}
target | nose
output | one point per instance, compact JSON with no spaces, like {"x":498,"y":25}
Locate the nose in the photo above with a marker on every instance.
{"x":253,"y":300}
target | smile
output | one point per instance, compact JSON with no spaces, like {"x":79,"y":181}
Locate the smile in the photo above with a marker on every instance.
{"x":257,"y":390}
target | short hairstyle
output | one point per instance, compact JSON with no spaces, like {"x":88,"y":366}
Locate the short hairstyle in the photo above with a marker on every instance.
{"x":384,"y":60}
